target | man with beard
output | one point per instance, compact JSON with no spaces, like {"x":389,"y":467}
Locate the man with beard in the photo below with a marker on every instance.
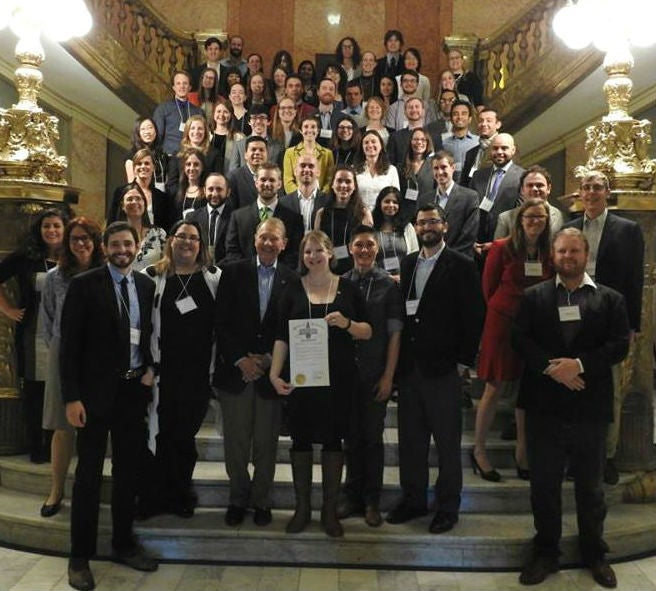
{"x":106,"y":377}
{"x":443,"y":320}
{"x":460,"y":140}
{"x":234,"y":60}
{"x":214,"y":217}
{"x":479,"y":156}
{"x":570,"y":332}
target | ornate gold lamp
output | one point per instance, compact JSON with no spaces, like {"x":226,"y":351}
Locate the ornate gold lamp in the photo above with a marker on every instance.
{"x":31,"y":170}
{"x":618,"y":145}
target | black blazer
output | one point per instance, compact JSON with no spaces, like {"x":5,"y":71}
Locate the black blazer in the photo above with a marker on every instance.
{"x":335,"y":117}
{"x":602,"y":341}
{"x":447,"y":327}
{"x":275,"y":153}
{"x":240,"y":239}
{"x":201,"y":216}
{"x":462,"y":216}
{"x":211,"y":163}
{"x":507,"y":196}
{"x":238,"y":326}
{"x":92,"y":345}
{"x":383,"y":68}
{"x":397,"y":146}
{"x":163,"y":207}
{"x":620,"y":261}
{"x":290,"y":201}
{"x":242,"y":187}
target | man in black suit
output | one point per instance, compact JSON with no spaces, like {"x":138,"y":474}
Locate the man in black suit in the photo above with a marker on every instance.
{"x":213,"y":53}
{"x":106,"y":375}
{"x":248,"y":297}
{"x":242,"y":179}
{"x":479,"y":156}
{"x":391,"y":64}
{"x":213,"y":218}
{"x":616,"y":260}
{"x":308,"y":198}
{"x":443,"y":320}
{"x":460,"y":205}
{"x":497,"y":187}
{"x":244,"y":221}
{"x":258,"y":119}
{"x":570,"y":332}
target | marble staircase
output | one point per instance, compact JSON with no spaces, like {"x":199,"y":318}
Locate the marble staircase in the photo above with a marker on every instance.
{"x":494,"y":531}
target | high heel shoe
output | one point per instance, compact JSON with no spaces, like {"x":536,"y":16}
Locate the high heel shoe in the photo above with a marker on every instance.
{"x":522,"y":473}
{"x":491,"y":475}
{"x":51,"y":510}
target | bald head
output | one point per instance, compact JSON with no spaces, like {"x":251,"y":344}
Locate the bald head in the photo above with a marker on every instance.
{"x":502,"y":149}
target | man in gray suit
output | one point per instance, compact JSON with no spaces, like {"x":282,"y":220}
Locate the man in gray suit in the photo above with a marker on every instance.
{"x":460,"y":205}
{"x":535,"y":183}
{"x":259,"y":122}
{"x":242,"y":180}
{"x":308,"y":198}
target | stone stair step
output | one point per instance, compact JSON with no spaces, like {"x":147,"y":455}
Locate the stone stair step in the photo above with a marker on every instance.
{"x":478,"y":541}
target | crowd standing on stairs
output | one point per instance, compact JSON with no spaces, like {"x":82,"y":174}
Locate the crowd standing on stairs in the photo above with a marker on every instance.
{"x":304,"y":249}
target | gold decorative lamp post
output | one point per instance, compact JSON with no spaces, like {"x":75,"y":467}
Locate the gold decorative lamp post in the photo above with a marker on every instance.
{"x":31,"y":170}
{"x":618,"y":145}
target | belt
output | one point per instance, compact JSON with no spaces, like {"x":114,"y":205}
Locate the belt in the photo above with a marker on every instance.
{"x":132,"y":374}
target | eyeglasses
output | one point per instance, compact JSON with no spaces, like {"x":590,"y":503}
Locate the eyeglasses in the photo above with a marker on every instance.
{"x":189,"y":237}
{"x":364,"y":245}
{"x":429,"y":222}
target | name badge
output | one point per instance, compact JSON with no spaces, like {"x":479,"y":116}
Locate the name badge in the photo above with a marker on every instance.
{"x":187,"y":211}
{"x":391,"y":263}
{"x":411,"y":194}
{"x":486,"y":204}
{"x":569,"y":313}
{"x":459,"y":166}
{"x":326,"y":133}
{"x":181,"y":127}
{"x":186,"y":305}
{"x":161,"y":186}
{"x":411,"y":307}
{"x":40,"y":281}
{"x":135,"y":336}
{"x":532,"y":269}
{"x":472,"y":170}
{"x":341,"y":252}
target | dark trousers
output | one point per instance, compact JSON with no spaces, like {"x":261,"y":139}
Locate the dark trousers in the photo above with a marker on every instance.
{"x":38,"y":439}
{"x":125,"y":422}
{"x":430,"y":406}
{"x":551,"y":443}
{"x":364,"y":451}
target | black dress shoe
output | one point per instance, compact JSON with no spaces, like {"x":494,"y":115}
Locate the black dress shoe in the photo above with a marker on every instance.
{"x":136,"y":558}
{"x":611,"y":475}
{"x":372,"y":516}
{"x":50,"y":510}
{"x":403,"y":512}
{"x":442,"y":522}
{"x":603,"y":574}
{"x":538,"y":569}
{"x":79,"y":575}
{"x":234,"y":515}
{"x":491,"y":475}
{"x":262,"y":517}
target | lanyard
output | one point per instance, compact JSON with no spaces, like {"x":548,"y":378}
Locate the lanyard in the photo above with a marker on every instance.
{"x":307,"y":294}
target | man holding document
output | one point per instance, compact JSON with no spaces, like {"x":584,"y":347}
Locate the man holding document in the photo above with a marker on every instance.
{"x":319,"y":320}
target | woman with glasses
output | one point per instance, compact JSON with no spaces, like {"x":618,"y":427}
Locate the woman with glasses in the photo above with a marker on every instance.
{"x":182,"y":348}
{"x":207,"y":91}
{"x":346,"y":142}
{"x":81,"y":251}
{"x":512,"y":265}
{"x":417,"y":173}
{"x":347,"y":55}
{"x":284,"y":128}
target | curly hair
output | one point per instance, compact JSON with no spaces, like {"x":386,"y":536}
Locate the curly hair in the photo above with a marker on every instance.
{"x":68,"y":263}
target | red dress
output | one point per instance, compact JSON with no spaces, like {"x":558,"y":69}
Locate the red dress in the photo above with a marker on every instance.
{"x":504,"y":283}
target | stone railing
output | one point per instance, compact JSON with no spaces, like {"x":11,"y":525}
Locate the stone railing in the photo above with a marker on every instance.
{"x":525,"y":68}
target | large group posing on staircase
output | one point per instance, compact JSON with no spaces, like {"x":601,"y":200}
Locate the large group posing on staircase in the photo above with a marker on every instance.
{"x":358,"y":205}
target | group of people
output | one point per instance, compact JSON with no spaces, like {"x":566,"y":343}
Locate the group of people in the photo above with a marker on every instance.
{"x":272,"y":269}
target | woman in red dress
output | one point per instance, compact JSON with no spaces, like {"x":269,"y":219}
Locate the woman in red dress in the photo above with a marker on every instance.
{"x":512,"y":265}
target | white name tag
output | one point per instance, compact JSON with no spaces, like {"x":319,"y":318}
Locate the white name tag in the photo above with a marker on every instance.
{"x":161,"y":186}
{"x":341,"y":252}
{"x":186,"y":212}
{"x":472,"y":170}
{"x":391,"y":263}
{"x":135,"y":336}
{"x":532,"y":269}
{"x":326,"y":133}
{"x":486,"y":204}
{"x":181,"y":127}
{"x":569,"y":313}
{"x":186,"y":305}
{"x":411,"y":194}
{"x":411,"y":307}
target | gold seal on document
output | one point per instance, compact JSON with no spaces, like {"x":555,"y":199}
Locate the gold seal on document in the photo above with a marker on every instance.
{"x":300,"y":379}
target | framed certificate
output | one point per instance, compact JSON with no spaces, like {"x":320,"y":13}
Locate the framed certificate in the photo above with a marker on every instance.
{"x":308,"y":353}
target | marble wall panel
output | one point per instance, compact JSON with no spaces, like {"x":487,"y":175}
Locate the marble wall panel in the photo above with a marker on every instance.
{"x":87,"y":168}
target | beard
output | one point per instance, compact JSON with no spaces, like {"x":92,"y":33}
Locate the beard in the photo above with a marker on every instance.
{"x":122,"y":261}
{"x":235,"y":52}
{"x":430,"y":239}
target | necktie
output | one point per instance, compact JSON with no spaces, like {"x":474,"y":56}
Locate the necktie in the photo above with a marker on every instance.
{"x":125,"y":319}
{"x":393,"y":64}
{"x":496,"y":181}
{"x":354,"y":112}
{"x":214,"y":216}
{"x":442,"y":199}
{"x":265,"y":214}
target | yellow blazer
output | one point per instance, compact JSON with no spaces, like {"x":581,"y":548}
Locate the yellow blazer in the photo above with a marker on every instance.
{"x":326,"y":167}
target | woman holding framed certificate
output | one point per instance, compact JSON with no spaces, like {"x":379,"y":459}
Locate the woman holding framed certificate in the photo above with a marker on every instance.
{"x":318,"y":322}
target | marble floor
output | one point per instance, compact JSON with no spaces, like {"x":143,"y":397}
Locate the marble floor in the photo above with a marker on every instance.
{"x":23,"y":571}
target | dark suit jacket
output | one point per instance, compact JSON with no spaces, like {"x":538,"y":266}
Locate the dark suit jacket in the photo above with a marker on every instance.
{"x":470,"y":159}
{"x":507,"y":195}
{"x":335,"y":117}
{"x":290,"y":201}
{"x":240,"y":240}
{"x":201,"y":216}
{"x":275,"y":152}
{"x":239,"y":328}
{"x":462,"y":216}
{"x":383,"y":69}
{"x":212,"y":163}
{"x":447,"y":327}
{"x":620,"y":261}
{"x":397,"y":146}
{"x":242,"y":187}
{"x":92,"y":345}
{"x":602,"y":341}
{"x":223,"y":78}
{"x":163,"y":207}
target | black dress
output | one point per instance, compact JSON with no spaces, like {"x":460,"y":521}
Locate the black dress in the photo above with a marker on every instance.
{"x":320,"y":414}
{"x":338,"y":223}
